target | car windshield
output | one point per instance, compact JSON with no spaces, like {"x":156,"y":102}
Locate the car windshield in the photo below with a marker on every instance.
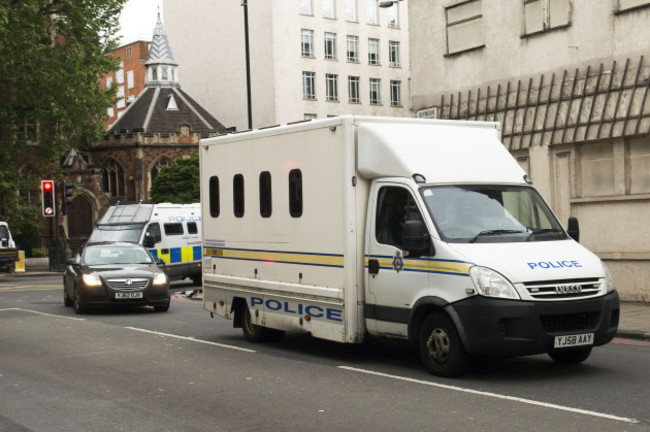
{"x":117,"y":234}
{"x":490,"y":214}
{"x":113,"y":254}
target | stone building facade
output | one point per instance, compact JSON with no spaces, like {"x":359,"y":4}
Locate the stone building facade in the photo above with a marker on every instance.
{"x":569,"y":82}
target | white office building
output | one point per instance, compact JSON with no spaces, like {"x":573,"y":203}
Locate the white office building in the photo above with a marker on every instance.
{"x":308,"y":58}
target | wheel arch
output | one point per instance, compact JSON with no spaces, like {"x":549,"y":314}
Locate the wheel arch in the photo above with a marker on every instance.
{"x":236,"y":307}
{"x":425,"y":307}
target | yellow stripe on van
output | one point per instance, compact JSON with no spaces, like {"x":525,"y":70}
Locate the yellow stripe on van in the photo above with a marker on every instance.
{"x":275,"y":256}
{"x":425,"y":265}
{"x":165,"y":256}
{"x":187,"y":254}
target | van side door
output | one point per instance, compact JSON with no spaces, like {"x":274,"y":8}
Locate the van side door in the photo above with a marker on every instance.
{"x":393,"y":279}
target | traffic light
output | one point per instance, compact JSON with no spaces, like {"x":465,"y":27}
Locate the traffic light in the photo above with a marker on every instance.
{"x":66,"y":197}
{"x":48,"y":198}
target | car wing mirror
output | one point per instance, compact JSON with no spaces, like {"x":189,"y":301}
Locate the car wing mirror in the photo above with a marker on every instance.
{"x":574,"y":229}
{"x":160,"y":262}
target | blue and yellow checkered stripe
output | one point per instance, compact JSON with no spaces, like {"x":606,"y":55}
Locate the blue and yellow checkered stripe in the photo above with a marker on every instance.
{"x":426,"y":265}
{"x":178,"y":254}
{"x":301,"y":258}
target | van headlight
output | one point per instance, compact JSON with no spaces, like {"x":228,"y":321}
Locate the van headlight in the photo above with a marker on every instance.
{"x":489,"y":283}
{"x":609,"y":280}
{"x":91,"y":280}
{"x":160,"y":279}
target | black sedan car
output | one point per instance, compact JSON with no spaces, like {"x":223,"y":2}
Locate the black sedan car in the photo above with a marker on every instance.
{"x":104,"y":274}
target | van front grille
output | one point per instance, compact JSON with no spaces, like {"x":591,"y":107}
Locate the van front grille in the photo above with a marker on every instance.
{"x":128,"y":284}
{"x":563,"y":289}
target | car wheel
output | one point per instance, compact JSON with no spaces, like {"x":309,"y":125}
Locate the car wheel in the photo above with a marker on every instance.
{"x":67,"y":301}
{"x":440,"y":347}
{"x":162,"y":307}
{"x":252,"y":332}
{"x":570,"y":356}
{"x":78,"y":305}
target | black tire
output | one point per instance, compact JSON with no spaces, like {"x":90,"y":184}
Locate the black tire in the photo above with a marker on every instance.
{"x":67,"y":301}
{"x":440,"y":347}
{"x":252,"y":332}
{"x":570,"y":356}
{"x":77,"y":303}
{"x":162,"y":307}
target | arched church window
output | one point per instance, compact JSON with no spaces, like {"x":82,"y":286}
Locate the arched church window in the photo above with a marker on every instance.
{"x":29,"y":185}
{"x":162,"y":162}
{"x":113,"y":179}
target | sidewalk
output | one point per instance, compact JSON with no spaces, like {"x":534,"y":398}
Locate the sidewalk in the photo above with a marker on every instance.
{"x":634,"y":320}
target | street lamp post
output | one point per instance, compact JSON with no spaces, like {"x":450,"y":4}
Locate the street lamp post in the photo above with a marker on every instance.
{"x":244,"y":3}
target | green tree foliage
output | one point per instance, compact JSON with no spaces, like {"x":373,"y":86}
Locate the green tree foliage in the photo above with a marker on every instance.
{"x":53,"y":54}
{"x":178,"y":183}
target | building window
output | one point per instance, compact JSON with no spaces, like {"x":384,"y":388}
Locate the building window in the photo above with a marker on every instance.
{"x":306,"y":7}
{"x":395,"y":93}
{"x":162,"y":162}
{"x":393,"y":15}
{"x":375,"y":96}
{"x":109,"y":82}
{"x":373,"y":51}
{"x":308,"y":89}
{"x":307,"y":46}
{"x":121,"y":102}
{"x":393,"y":53}
{"x":119,"y":74}
{"x":353,"y":89}
{"x":310,"y":116}
{"x":353,"y":49}
{"x":113,"y":179}
{"x":328,"y":9}
{"x":154,"y":73}
{"x":372,"y":12}
{"x":130,"y":81}
{"x":542,"y":15}
{"x":238,"y":195}
{"x":265,"y":194}
{"x":624,"y":5}
{"x":351,"y":10}
{"x":464,"y":26}
{"x":295,"y":193}
{"x":332,"y":87}
{"x":128,"y":54}
{"x":29,"y":190}
{"x":215,"y":204}
{"x":330,"y":46}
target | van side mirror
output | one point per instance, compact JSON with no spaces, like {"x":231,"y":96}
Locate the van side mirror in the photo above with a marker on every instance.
{"x":415,"y":238}
{"x":148,"y":240}
{"x":574,"y":229}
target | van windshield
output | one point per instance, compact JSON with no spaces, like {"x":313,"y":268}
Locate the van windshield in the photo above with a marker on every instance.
{"x":116,"y":234}
{"x":490,"y":214}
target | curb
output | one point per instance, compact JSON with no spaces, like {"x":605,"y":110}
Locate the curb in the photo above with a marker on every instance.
{"x":633,"y":334}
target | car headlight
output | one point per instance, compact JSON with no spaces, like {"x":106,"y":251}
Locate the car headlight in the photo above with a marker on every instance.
{"x":489,"y":283}
{"x":160,"y":279}
{"x":91,"y":280}
{"x":609,"y":280}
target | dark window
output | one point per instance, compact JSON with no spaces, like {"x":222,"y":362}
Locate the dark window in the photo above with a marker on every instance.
{"x":265,"y":194}
{"x":154,"y":230}
{"x":191,"y":228}
{"x":295,"y":193}
{"x":394,"y":207}
{"x":238,"y":195}
{"x":215,"y":206}
{"x":173,"y":229}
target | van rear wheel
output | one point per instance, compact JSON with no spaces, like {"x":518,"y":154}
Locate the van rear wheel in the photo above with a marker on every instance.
{"x":440,"y":347}
{"x":252,"y":332}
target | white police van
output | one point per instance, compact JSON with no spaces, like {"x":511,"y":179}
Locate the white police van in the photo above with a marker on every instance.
{"x":425,"y":230}
{"x":171,"y":232}
{"x":8,"y":251}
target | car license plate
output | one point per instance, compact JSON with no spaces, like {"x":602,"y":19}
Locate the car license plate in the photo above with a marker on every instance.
{"x":574,"y":340}
{"x":128,"y":295}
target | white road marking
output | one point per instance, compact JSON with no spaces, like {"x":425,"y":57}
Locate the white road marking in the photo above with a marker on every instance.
{"x":191,"y":339}
{"x":494,"y":395}
{"x":42,"y":313}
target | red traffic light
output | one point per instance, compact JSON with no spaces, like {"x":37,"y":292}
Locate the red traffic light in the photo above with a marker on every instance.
{"x":48,"y":198}
{"x":47,"y":185}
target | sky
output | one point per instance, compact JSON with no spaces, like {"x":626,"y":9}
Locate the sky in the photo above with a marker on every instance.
{"x":138,"y":19}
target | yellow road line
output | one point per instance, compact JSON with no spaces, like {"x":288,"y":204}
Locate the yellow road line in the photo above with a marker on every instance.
{"x":28,"y":288}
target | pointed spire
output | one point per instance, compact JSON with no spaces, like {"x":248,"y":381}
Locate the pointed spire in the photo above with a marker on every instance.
{"x":161,"y":66}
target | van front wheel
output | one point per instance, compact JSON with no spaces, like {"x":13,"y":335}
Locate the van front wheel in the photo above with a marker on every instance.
{"x":440,"y":347}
